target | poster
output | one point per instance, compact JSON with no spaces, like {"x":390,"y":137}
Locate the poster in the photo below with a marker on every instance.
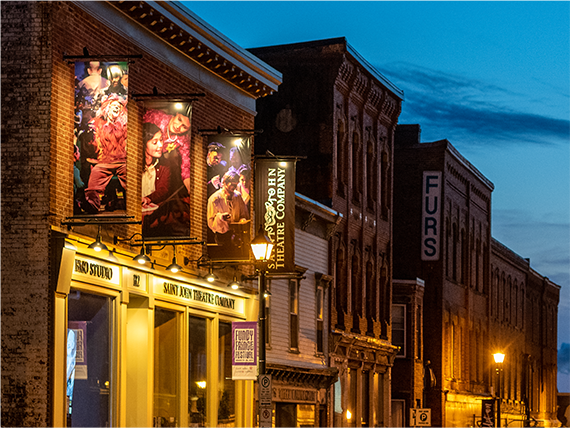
{"x":228,"y":163}
{"x":275,"y":210}
{"x":166,"y":178}
{"x":244,"y":350}
{"x":100,"y":138}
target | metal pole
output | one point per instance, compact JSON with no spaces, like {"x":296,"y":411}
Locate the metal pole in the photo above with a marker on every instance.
{"x":262,"y":279}
{"x":498,"y":397}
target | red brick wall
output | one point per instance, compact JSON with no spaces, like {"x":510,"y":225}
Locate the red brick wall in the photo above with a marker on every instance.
{"x":75,"y":29}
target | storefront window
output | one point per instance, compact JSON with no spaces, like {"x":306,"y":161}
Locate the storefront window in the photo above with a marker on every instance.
{"x":88,"y":357}
{"x":197,"y":373}
{"x":166,"y":373}
{"x":306,"y":415}
{"x":226,"y":405}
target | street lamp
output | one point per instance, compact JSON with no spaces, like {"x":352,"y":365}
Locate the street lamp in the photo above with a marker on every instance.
{"x":261,"y":247}
{"x":499,"y":358}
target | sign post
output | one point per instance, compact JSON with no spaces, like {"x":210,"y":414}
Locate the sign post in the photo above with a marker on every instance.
{"x":265,"y":400}
{"x":420,"y":417}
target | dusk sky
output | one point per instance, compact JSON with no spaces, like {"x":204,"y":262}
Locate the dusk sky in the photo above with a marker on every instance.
{"x":493,"y":78}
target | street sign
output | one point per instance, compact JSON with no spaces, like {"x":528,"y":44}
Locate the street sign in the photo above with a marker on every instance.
{"x":265,"y":414}
{"x":265,"y":397}
{"x":420,"y":417}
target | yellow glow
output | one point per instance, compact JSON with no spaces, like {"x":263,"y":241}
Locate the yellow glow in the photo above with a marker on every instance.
{"x":178,"y":106}
{"x":499,"y":357}
{"x":237,"y":142}
{"x":348,"y":415}
{"x":283,"y":164}
{"x":262,"y":251}
{"x":201,"y":384}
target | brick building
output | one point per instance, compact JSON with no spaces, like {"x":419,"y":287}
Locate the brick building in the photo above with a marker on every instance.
{"x":340,"y":113}
{"x":151,"y":346}
{"x":478,"y":299}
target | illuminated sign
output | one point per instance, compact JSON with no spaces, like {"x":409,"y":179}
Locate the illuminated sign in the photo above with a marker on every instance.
{"x":89,"y":270}
{"x":198,"y":296}
{"x":275,"y":210}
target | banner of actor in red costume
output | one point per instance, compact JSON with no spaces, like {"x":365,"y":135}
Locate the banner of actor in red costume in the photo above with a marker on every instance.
{"x":100,"y":138}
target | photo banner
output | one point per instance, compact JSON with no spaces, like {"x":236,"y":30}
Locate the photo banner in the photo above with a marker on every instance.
{"x":275,"y":210}
{"x":100,"y":138}
{"x":166,"y":169}
{"x":228,"y":165}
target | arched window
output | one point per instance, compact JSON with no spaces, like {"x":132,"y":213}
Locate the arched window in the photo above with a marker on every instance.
{"x":371,"y":176}
{"x":341,"y":158}
{"x":357,"y":165}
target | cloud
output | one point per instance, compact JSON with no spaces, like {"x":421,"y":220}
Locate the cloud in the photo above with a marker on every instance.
{"x":564,"y":358}
{"x":458,"y":108}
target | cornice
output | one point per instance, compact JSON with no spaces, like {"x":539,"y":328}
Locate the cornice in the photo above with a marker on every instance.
{"x":182,"y":30}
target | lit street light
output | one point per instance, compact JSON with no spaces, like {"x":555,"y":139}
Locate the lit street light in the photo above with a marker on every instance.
{"x":261,"y":247}
{"x":499,"y":358}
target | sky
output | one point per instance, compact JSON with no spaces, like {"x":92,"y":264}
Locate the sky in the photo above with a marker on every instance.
{"x":493,"y":78}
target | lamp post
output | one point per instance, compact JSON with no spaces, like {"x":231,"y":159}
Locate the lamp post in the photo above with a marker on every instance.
{"x":261,"y":247}
{"x":499,"y":358}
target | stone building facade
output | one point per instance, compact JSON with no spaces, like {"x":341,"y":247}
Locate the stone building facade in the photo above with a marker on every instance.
{"x":340,"y":113}
{"x":170,"y":51}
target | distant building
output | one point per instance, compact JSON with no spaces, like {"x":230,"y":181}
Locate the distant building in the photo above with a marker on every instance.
{"x":480,"y":297}
{"x":335,"y":109}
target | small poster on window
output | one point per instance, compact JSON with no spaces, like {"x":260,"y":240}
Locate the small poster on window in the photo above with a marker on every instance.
{"x":244,"y":350}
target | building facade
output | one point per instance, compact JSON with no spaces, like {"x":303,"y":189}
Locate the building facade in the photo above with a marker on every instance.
{"x":297,"y":315}
{"x":477,"y":298}
{"x":338,"y":112}
{"x":94,"y":338}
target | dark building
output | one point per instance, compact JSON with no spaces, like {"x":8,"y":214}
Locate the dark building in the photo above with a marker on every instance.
{"x":480,"y":298}
{"x":340,"y":113}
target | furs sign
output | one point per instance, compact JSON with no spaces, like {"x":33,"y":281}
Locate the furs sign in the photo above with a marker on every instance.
{"x":431,"y":215}
{"x":275,"y":205}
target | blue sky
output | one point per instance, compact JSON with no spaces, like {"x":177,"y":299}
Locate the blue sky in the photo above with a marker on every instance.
{"x":491,"y":77}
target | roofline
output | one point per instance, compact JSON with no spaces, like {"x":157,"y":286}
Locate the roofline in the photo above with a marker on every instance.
{"x":459,"y":157}
{"x":342,"y":40}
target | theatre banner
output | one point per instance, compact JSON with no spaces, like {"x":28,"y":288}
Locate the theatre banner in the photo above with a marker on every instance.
{"x":488,"y":413}
{"x":166,"y":178}
{"x":100,"y":138}
{"x":228,"y":165}
{"x":275,"y":210}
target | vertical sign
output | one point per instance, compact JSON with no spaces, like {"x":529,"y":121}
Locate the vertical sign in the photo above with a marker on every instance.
{"x":100,"y":138}
{"x":244,"y":350}
{"x":166,"y":180}
{"x":431,"y":215}
{"x":275,"y":210}
{"x":487,"y":413}
{"x":228,"y":164}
